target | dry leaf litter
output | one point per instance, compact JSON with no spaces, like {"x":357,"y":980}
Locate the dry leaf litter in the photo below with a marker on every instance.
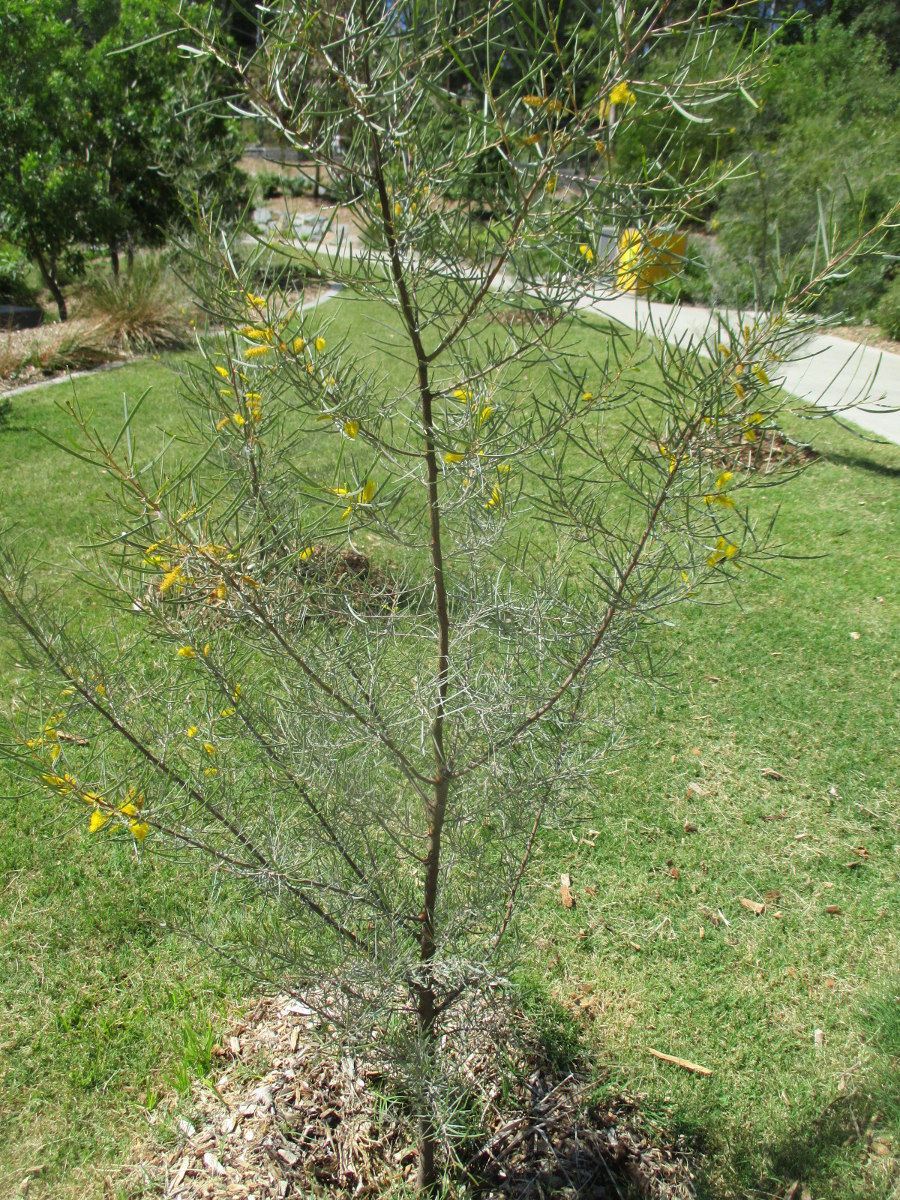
{"x":288,"y":1115}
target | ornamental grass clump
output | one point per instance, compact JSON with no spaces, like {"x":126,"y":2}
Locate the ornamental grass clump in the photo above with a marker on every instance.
{"x":368,"y":774}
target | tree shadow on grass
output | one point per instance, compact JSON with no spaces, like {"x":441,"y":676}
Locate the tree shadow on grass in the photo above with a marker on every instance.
{"x":861,"y":463}
{"x":850,"y":1148}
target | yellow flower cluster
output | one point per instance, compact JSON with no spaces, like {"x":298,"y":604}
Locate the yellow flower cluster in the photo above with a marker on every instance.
{"x":720,"y":496}
{"x":363,"y":496}
{"x":724,"y":550}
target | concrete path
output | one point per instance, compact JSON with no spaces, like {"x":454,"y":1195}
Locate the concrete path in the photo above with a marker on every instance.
{"x":854,"y":382}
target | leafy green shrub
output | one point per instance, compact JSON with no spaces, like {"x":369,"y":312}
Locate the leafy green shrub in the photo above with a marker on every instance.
{"x":888,"y":311}
{"x":14,"y":285}
{"x":820,"y":164}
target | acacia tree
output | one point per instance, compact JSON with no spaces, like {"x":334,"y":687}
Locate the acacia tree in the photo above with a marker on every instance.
{"x":376,"y":613}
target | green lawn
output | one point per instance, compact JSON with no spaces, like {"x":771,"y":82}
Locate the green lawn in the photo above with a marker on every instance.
{"x":659,"y":952}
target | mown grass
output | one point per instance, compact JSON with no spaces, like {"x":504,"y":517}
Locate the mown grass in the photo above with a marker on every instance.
{"x":106,"y":1010}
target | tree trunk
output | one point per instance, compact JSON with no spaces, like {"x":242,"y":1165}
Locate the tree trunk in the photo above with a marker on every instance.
{"x":129,"y":258}
{"x":114,"y":259}
{"x":317,"y":181}
{"x":426,"y":1175}
{"x":48,"y":273}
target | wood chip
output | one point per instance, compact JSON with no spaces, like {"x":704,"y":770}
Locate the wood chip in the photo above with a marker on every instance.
{"x":565,"y":892}
{"x":694,"y":788}
{"x":212,"y":1164}
{"x":690,"y":827}
{"x":680,"y":1062}
{"x":771,"y":773}
{"x":180,"y":1174}
{"x":753,"y":906}
{"x":234,"y":1045}
{"x":833,"y":909}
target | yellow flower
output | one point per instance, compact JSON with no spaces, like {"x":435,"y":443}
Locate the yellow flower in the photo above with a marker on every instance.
{"x":761,"y":375}
{"x":351,"y":428}
{"x":724,"y":350}
{"x":169,"y":580}
{"x":221,"y":590}
{"x":462,"y":394}
{"x":397,"y":209}
{"x":257,"y":335}
{"x":298,"y":344}
{"x":533,"y":101}
{"x":320,"y":343}
{"x":257,"y":351}
{"x":238,"y":419}
{"x":740,"y":390}
{"x":237,"y":691}
{"x":719,"y":498}
{"x":221,"y":371}
{"x":531,"y":140}
{"x":600,"y":147}
{"x":139,"y":830}
{"x":209,"y":748}
{"x":206,"y":650}
{"x":211,"y":771}
{"x":603,"y":110}
{"x":725,"y":478}
{"x":257,"y":300}
{"x":485,"y":414}
{"x":306,"y":553}
{"x":550,"y":185}
{"x":622,"y":94}
{"x":503,"y":468}
{"x":496,"y":497}
{"x":452,"y":457}
{"x":192,"y":731}
{"x":724,"y":550}
{"x":98,"y":819}
{"x":227,"y":712}
{"x":129,"y":810}
{"x":225,"y":421}
{"x":250,"y":582}
{"x":587,"y":396}
{"x":252,"y":396}
{"x":367,"y":493}
{"x":586,"y":251}
{"x":187,"y":652}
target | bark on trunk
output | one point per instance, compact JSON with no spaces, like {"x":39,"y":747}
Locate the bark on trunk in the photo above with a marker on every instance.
{"x":49,"y":276}
{"x":114,"y":259}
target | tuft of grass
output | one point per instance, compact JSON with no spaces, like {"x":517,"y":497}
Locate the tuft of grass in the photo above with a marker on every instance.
{"x":141,"y":310}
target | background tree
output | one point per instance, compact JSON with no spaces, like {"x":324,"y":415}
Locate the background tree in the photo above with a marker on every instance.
{"x":110,"y":128}
{"x":46,"y":178}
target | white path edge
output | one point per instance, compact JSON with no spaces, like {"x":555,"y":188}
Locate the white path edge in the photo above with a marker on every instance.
{"x":853,"y":382}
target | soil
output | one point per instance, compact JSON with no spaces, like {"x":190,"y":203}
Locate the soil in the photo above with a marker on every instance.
{"x":289,"y":1114}
{"x":866,"y":335}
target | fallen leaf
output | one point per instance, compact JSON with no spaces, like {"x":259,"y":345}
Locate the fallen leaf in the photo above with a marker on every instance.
{"x":234,"y":1045}
{"x":856,"y":636}
{"x":674,"y":872}
{"x":695,"y":750}
{"x":833,"y":909}
{"x":565,"y":892}
{"x":690,"y":827}
{"x":771,"y":773}
{"x":752,"y":906}
{"x":714,"y":679}
{"x":695,"y":787}
{"x":772,"y":896}
{"x":857,"y":862}
{"x":819,"y":1038}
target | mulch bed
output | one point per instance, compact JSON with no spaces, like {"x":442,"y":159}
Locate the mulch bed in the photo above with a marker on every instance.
{"x":288,"y":1115}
